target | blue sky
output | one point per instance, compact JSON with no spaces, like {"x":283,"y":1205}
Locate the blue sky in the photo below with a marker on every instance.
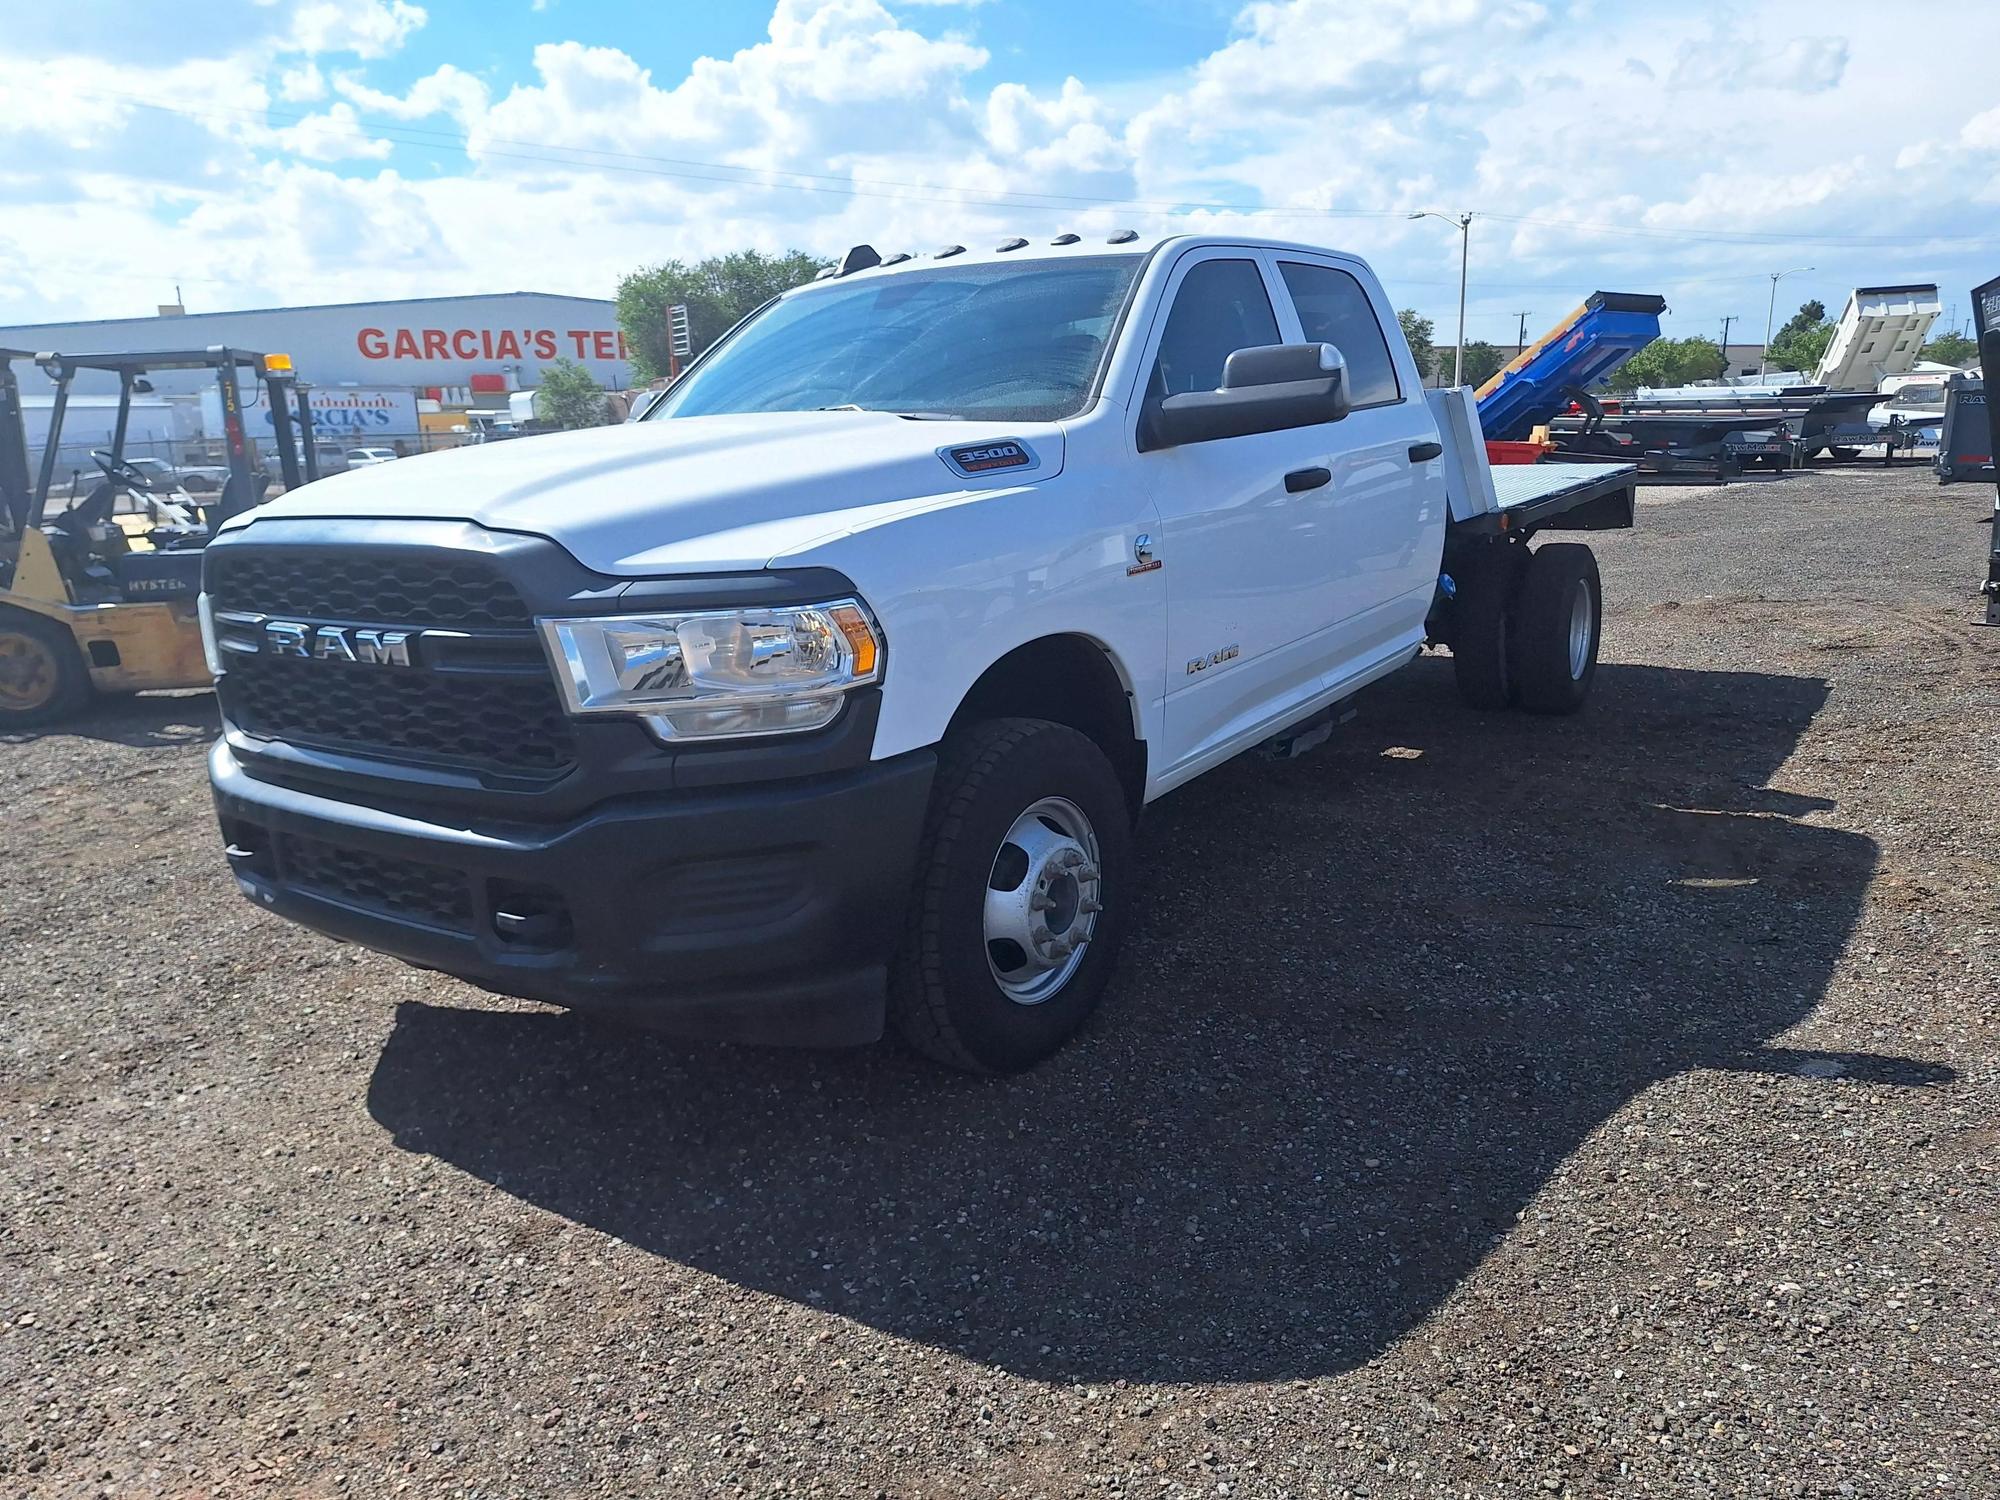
{"x":327,"y":150}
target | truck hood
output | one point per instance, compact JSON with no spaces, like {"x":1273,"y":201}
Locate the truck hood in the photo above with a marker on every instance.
{"x":693,"y":494}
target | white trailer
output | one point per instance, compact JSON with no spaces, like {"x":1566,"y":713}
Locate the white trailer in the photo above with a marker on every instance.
{"x":1880,"y":332}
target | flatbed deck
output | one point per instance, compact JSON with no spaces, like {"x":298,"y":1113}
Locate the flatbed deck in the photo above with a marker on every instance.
{"x":1563,"y":497}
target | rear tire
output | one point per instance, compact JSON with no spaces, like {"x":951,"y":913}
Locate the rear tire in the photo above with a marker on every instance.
{"x":42,"y":676}
{"x":1480,"y":625}
{"x":1020,"y":806}
{"x":1557,"y":616}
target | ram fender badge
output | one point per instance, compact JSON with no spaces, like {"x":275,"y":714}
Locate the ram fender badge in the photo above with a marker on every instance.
{"x":1001,"y":455}
{"x":1213,"y":659}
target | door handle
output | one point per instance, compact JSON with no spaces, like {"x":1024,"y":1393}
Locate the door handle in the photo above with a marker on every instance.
{"x":1423,"y":453}
{"x":1300,"y":480}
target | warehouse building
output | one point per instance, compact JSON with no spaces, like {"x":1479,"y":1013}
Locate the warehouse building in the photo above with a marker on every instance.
{"x":446,"y":347}
{"x":408,"y":375}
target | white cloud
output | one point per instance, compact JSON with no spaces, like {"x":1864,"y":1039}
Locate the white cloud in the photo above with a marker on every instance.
{"x":1601,"y":145}
{"x":1730,"y":58}
{"x":367,"y":28}
{"x":302,"y":85}
{"x":448,"y":91}
{"x":334,"y":135}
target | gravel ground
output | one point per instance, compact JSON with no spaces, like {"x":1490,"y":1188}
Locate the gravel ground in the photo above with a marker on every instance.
{"x":1485,"y":1106}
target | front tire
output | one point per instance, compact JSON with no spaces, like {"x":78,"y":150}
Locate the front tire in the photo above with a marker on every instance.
{"x":42,"y":676}
{"x":1022,"y":886}
{"x":1557,"y":616}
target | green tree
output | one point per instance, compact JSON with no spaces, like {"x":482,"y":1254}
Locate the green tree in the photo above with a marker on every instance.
{"x":1950,"y":349}
{"x":716,"y":292}
{"x":568,"y":397}
{"x":1482,"y":362}
{"x":1417,"y":330}
{"x":1802,"y":341}
{"x":1668,"y":362}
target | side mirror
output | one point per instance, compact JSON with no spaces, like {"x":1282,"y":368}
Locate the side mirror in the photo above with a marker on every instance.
{"x":1266,"y":389}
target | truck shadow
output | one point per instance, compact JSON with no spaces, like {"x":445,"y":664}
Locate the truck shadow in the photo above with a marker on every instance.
{"x":144,"y":721}
{"x":1377,"y":996}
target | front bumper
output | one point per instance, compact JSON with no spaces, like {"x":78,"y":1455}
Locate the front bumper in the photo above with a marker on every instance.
{"x":761,"y":912}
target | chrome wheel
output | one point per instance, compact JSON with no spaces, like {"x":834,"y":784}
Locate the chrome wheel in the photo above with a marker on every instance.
{"x":1579,"y":630}
{"x":1042,"y":899}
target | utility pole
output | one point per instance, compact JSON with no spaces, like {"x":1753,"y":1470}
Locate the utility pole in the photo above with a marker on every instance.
{"x":1725,"y":343}
{"x":1771,"y":312}
{"x":1463,"y":223}
{"x":1521,"y":334}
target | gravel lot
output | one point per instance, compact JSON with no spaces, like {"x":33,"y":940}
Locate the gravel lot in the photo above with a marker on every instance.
{"x":1485,"y":1106}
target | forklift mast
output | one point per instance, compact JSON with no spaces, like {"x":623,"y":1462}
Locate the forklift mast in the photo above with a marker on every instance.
{"x":288,"y":407}
{"x":16,"y":496}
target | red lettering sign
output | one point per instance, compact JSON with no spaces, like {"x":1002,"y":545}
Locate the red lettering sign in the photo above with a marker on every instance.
{"x":505,"y":344}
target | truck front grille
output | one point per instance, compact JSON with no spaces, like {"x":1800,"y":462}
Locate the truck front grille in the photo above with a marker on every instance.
{"x":377,"y":882}
{"x":366,"y":584}
{"x":497,"y":724}
{"x":485,"y":705}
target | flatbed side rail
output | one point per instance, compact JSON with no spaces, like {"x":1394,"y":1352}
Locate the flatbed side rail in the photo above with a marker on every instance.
{"x":1600,"y":502}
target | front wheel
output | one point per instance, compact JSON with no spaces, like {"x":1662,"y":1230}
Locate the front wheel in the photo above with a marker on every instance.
{"x":1020,"y":900}
{"x":42,"y":675}
{"x":1557,"y":615}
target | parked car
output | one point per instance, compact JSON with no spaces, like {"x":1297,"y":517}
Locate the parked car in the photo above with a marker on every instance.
{"x":825,"y":698}
{"x":367,"y":458}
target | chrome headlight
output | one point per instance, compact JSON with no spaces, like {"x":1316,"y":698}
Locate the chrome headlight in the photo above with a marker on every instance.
{"x":717,"y":674}
{"x":211,"y":654}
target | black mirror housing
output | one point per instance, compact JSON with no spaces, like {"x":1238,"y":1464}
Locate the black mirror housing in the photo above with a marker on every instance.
{"x":1265,"y":389}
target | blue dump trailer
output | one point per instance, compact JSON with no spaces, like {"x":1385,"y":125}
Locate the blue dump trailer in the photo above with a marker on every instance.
{"x":1579,"y":352}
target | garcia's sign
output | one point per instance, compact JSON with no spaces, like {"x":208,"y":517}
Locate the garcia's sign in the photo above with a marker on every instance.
{"x":345,"y":412}
{"x":492,"y":345}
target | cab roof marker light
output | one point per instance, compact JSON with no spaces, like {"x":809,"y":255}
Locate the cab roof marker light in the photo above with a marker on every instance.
{"x":897,"y":259}
{"x":1066,"y":239}
{"x":948,"y":252}
{"x":1005,"y":245}
{"x":1123,"y":237}
{"x":828,"y":274}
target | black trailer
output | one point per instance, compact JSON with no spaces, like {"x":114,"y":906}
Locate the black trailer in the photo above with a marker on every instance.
{"x":1986,"y":319}
{"x":1965,"y":442}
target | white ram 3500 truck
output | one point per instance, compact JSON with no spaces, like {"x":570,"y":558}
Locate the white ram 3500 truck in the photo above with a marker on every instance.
{"x":825,"y":698}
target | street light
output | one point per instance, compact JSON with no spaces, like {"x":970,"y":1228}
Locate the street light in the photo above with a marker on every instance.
{"x":1771,"y":312}
{"x":1464,"y":223}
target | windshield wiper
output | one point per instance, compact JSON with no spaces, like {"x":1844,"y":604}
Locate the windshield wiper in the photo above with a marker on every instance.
{"x":907,"y":416}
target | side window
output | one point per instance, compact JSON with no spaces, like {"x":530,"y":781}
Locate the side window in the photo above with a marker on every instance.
{"x":1334,"y":310}
{"x":1221,"y":307}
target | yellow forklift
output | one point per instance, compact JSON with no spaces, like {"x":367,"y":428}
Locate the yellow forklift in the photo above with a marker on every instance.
{"x":87,"y":605}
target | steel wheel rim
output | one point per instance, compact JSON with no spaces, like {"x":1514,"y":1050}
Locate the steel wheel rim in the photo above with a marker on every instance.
{"x":1044,"y":892}
{"x":1579,"y":631}
{"x":28,"y":673}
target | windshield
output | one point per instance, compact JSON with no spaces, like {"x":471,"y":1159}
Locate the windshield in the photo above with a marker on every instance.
{"x":1017,"y":342}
